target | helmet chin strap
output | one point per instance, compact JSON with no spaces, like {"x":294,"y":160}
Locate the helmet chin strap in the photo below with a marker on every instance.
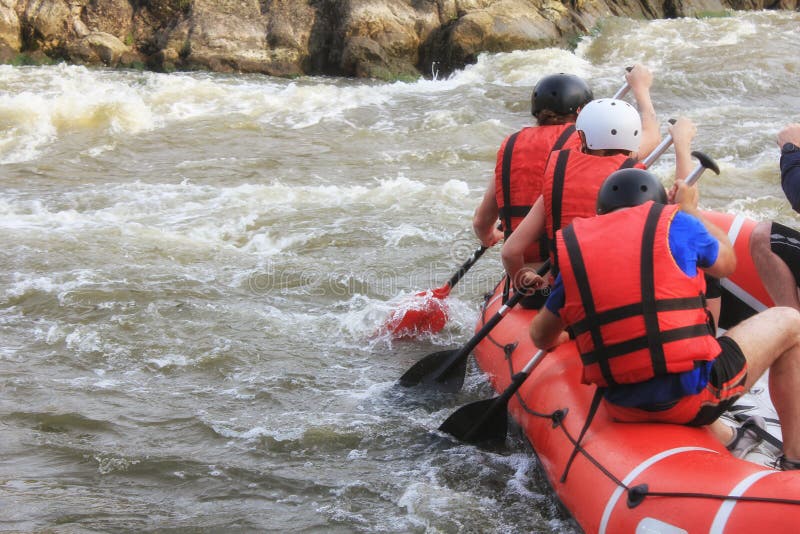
{"x":584,"y":147}
{"x":607,"y":151}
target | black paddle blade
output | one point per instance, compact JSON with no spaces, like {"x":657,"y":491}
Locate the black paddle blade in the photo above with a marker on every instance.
{"x":426,"y":366}
{"x":479,"y":422}
{"x":438,"y":371}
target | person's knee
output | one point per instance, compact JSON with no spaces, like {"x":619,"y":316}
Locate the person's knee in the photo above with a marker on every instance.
{"x":788,"y":318}
{"x":788,"y":313}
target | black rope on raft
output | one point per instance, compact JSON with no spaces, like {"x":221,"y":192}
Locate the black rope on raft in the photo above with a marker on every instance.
{"x":579,"y":448}
{"x":637,"y":494}
{"x":517,"y":393}
{"x":598,"y":396}
{"x":740,"y":498}
{"x":484,"y":310}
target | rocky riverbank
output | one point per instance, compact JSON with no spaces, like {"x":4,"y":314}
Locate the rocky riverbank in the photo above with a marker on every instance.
{"x":386,"y":39}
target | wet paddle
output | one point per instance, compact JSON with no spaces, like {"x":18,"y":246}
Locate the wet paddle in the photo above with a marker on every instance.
{"x":426,"y":311}
{"x":486,"y":420}
{"x":445,"y":370}
{"x":705,"y":163}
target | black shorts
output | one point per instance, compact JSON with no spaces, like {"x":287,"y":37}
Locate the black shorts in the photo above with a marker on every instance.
{"x":725,"y":386}
{"x":713,"y":287}
{"x":785,"y":243}
{"x":536,"y":300}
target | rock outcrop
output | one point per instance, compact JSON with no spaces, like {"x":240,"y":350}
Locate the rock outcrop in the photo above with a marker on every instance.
{"x":385,"y":39}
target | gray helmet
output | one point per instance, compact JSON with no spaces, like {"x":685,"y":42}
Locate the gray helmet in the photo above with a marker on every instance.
{"x":560,"y":93}
{"x":627,"y":188}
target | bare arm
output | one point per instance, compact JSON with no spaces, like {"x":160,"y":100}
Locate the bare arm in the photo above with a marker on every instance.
{"x":485,"y":217}
{"x":528,"y":231}
{"x":790,"y":134}
{"x":547,"y":329}
{"x":683,"y":131}
{"x":641,"y":79}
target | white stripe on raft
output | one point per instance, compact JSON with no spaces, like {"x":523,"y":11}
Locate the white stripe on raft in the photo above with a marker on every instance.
{"x":736,"y":227}
{"x":725,"y":510}
{"x":612,"y":502}
{"x":738,"y":291}
{"x":743,"y":295}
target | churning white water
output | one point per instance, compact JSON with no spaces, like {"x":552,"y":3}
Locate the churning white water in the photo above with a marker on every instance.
{"x":193,"y":267}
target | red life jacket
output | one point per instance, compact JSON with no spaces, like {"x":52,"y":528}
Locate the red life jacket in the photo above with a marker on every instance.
{"x":571,"y":183}
{"x":634,"y":313}
{"x":519,"y":173}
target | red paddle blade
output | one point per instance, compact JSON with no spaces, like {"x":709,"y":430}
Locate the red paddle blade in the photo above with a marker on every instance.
{"x":424,"y":313}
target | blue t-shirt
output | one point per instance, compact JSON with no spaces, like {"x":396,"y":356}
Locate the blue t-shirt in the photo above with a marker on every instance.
{"x":691,"y":246}
{"x":790,"y":178}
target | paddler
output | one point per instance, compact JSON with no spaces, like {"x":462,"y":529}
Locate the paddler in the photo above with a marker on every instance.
{"x":519,"y":169}
{"x":630,"y":291}
{"x":520,"y":172}
{"x":775,"y":248}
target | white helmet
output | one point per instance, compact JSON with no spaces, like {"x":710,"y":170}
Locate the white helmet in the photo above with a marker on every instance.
{"x":610,"y":124}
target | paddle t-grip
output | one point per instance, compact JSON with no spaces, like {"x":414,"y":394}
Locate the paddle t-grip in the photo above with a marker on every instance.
{"x":706,"y":162}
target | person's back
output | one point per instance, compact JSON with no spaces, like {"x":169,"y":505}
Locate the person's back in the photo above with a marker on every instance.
{"x":653,"y":318}
{"x":519,"y":179}
{"x":610,"y":131}
{"x":522,"y":158}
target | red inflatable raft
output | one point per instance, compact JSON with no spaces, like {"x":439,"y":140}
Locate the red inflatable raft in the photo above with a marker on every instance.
{"x":636,"y":477}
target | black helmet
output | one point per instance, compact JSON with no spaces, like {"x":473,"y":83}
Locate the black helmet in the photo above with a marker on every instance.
{"x":627,"y":188}
{"x":560,"y":93}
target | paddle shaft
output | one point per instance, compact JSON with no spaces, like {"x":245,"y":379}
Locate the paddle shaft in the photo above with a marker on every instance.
{"x":501,"y":402}
{"x":454,"y":361}
{"x":695,"y":175}
{"x":531,"y":365}
{"x":659,"y":150}
{"x":465,"y":267}
{"x":465,"y":351}
{"x":622,"y":92}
